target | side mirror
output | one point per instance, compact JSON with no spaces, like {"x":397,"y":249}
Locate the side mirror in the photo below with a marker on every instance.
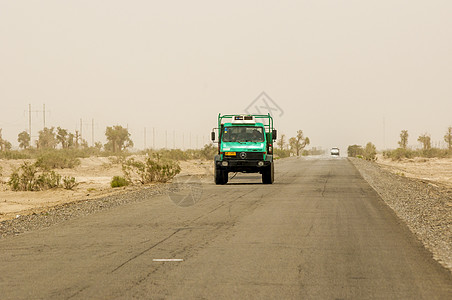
{"x":274,"y":134}
{"x":212,"y":136}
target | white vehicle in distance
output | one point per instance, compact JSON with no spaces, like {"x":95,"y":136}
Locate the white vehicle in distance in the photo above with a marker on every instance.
{"x":335,"y":151}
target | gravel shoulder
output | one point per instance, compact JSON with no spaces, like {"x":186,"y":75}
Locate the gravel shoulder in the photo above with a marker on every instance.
{"x":424,"y":206}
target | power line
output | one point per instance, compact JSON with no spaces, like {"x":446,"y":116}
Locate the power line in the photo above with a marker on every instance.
{"x":144,"y":138}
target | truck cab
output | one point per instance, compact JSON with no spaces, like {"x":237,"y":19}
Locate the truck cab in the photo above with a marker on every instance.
{"x":244,"y":145}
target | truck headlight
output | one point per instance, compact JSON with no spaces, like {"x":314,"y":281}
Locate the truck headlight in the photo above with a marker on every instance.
{"x":260,"y":164}
{"x":224,"y":163}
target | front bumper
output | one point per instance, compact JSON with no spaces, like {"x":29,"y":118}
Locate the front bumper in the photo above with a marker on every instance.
{"x":243,"y":165}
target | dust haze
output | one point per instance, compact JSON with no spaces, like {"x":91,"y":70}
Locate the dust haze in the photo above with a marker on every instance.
{"x":343,"y":72}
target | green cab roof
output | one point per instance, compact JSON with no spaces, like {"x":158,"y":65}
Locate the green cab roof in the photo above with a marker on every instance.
{"x":238,"y":124}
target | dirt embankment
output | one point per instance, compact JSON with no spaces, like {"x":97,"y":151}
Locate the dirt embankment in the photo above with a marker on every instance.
{"x":433,"y":170}
{"x":93,"y":176}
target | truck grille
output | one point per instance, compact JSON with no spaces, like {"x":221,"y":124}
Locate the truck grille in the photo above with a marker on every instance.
{"x":247,"y":156}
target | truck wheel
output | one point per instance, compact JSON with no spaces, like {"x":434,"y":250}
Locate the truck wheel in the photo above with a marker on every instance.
{"x":225,"y":177}
{"x":221,"y":177}
{"x":268,"y":175}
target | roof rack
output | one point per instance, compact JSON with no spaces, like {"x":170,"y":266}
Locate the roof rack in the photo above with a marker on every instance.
{"x":245,"y":117}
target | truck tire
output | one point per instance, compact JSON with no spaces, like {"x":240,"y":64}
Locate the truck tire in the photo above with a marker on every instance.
{"x":225,"y":177}
{"x":268,"y":175}
{"x":221,"y":177}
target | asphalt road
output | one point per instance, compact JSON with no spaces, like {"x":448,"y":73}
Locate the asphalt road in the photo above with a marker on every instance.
{"x":319,"y":232}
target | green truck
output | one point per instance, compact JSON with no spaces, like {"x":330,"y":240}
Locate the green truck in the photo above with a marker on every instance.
{"x":245,"y":144}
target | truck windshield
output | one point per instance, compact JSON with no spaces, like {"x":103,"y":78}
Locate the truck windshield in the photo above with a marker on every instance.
{"x":243,"y":134}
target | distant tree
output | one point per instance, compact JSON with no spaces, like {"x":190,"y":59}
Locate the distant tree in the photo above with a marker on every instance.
{"x":62,"y":137}
{"x":448,"y":138}
{"x":24,"y":140}
{"x":403,"y":139}
{"x":98,"y":146}
{"x":4,"y":144}
{"x":46,"y":139}
{"x":77,"y":137}
{"x":355,"y":150}
{"x":281,"y":142}
{"x":118,"y":139}
{"x":370,"y":152}
{"x":298,"y":143}
{"x":425,"y":140}
{"x":70,"y":140}
{"x":1,"y":140}
{"x":84,"y":143}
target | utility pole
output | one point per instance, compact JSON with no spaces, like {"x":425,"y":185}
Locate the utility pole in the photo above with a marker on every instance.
{"x":81,"y":129}
{"x":29,"y":121}
{"x":44,"y":114}
{"x":92,"y":132}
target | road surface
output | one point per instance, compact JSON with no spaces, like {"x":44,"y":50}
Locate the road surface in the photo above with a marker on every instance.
{"x":319,"y":232}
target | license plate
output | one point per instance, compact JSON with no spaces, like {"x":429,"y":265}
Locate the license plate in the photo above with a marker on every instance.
{"x":229,"y":153}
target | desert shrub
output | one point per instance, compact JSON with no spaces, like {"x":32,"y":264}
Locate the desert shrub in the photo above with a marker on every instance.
{"x":133,"y":168}
{"x":370,"y":152}
{"x":398,"y":154}
{"x":281,"y":153}
{"x":355,"y":151}
{"x":208,"y":152}
{"x":14,"y":154}
{"x":118,"y":181}
{"x":434,"y":152}
{"x":69,"y":182}
{"x":174,"y":154}
{"x":48,"y":180}
{"x":170,"y":154}
{"x":162,"y":171}
{"x":57,"y":160}
{"x":28,"y":178}
{"x":150,"y":170}
{"x":401,"y":153}
{"x":116,"y":159}
{"x":25,"y":178}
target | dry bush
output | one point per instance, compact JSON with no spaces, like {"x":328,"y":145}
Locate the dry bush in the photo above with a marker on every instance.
{"x":400,"y":153}
{"x":28,"y":177}
{"x":69,"y":183}
{"x":118,"y":181}
{"x":150,"y":170}
{"x":57,"y":160}
{"x":370,"y":152}
{"x":207,"y":152}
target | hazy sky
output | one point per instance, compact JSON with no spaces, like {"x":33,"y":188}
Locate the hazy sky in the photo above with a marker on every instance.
{"x":344,"y":72}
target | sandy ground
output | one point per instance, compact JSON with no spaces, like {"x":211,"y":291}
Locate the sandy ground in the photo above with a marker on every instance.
{"x":93,"y":175}
{"x":434,"y":170}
